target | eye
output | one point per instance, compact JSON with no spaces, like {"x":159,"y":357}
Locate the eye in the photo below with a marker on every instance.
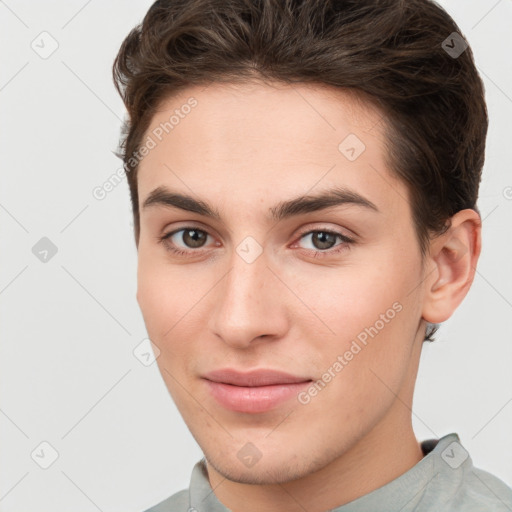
{"x":179,"y":241}
{"x":322,"y":241}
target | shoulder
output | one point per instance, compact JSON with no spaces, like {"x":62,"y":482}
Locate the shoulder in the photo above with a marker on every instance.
{"x":484,"y":491}
{"x":178,"y":502}
{"x":471,"y":490}
{"x":455,"y":484}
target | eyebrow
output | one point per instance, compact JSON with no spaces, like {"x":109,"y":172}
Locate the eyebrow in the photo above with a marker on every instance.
{"x":337,"y":196}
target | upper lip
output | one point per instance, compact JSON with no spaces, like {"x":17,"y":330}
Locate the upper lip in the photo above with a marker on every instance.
{"x":262,"y":377}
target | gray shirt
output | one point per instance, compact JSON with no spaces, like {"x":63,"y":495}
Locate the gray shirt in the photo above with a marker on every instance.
{"x":444,"y":480}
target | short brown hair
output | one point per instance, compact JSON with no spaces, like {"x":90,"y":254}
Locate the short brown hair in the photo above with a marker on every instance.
{"x":389,"y":51}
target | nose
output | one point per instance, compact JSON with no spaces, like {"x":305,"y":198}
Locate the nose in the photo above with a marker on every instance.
{"x":249,"y":303}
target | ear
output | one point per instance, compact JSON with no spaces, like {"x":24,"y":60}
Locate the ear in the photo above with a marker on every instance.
{"x":451,"y":266}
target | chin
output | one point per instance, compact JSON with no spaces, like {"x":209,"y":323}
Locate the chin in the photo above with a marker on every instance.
{"x":263,"y":472}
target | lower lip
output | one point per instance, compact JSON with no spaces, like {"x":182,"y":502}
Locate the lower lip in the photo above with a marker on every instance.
{"x":253,"y":399}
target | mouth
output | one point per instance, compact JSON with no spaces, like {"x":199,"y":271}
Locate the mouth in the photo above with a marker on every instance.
{"x":253,"y":392}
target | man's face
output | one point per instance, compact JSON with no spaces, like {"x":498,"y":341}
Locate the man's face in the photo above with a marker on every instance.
{"x":255,"y":290}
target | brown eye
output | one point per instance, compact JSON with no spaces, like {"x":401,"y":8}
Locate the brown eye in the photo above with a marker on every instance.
{"x":193,"y":238}
{"x":323,"y":240}
{"x":323,"y":243}
{"x":184,"y":240}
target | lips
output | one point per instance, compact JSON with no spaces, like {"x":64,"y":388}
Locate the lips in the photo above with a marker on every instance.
{"x":253,"y":392}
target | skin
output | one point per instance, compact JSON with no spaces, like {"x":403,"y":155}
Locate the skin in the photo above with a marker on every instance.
{"x":243,"y":149}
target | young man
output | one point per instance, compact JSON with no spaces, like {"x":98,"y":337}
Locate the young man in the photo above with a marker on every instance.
{"x":304,"y":177}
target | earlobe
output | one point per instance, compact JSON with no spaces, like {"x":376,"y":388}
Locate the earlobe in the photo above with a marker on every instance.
{"x":453,"y":259}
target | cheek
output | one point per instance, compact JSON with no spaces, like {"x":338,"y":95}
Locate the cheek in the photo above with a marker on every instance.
{"x":172,"y":301}
{"x":162,"y":295}
{"x":365,"y":313}
{"x":166,"y":301}
{"x":343,"y":302}
{"x":360,"y":367}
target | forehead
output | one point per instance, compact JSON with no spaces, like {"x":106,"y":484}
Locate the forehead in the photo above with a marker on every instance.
{"x":256,"y":141}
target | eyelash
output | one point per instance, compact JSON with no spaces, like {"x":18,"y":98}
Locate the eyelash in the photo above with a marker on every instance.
{"x":317,"y":253}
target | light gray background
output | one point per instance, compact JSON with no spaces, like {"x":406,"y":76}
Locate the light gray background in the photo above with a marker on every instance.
{"x":69,"y":326}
